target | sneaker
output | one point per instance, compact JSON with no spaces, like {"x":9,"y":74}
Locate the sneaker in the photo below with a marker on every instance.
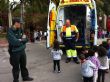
{"x":59,"y":71}
{"x":28,"y":79}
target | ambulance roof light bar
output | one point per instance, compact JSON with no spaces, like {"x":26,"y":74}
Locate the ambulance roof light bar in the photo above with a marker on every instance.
{"x":67,"y":1}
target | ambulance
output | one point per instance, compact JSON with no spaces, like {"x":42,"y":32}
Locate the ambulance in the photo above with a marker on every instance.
{"x":81,"y":13}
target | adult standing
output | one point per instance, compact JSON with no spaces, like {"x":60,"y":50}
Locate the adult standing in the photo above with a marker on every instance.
{"x":108,"y":25}
{"x":35,"y":36}
{"x":17,"y":44}
{"x":70,"y":35}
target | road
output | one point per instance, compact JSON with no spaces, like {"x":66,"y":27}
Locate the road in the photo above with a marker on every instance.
{"x":40,"y":64}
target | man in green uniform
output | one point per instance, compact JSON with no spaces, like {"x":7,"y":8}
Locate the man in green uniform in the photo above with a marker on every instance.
{"x":17,"y":44}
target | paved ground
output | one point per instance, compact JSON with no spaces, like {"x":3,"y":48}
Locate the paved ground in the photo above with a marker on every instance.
{"x":40,"y":66}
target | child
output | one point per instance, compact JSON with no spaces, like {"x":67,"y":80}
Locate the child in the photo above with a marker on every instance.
{"x":92,"y":57}
{"x":84,"y":51}
{"x":102,"y":52}
{"x":56,"y":54}
{"x":95,"y":48}
{"x":87,"y":68}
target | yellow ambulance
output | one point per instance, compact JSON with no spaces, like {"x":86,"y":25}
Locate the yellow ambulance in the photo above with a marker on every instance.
{"x":81,"y":13}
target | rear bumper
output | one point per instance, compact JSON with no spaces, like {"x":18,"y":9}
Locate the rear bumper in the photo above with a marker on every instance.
{"x":77,"y":46}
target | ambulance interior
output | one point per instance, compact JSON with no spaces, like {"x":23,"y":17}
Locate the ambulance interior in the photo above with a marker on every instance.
{"x":77,"y":16}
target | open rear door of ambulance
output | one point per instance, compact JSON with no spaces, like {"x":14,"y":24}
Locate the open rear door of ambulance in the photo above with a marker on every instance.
{"x":91,"y":24}
{"x":88,"y":25}
{"x":51,"y":24}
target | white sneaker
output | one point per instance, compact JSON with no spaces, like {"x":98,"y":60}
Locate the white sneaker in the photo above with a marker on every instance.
{"x":59,"y":71}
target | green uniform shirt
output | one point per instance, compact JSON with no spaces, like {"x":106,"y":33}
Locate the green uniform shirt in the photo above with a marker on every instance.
{"x":13,"y":36}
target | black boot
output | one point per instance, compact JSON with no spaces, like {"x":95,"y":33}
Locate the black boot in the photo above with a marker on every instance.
{"x":28,"y":79}
{"x":77,"y":62}
{"x":68,"y":60}
{"x":75,"y":59}
{"x":15,"y":80}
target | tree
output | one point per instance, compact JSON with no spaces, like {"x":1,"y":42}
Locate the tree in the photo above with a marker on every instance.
{"x":103,"y":7}
{"x":4,"y":12}
{"x":37,"y":12}
{"x":3,"y":6}
{"x":106,"y":7}
{"x":100,"y":6}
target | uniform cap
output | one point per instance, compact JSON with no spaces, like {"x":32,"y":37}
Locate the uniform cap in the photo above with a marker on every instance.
{"x":16,"y":20}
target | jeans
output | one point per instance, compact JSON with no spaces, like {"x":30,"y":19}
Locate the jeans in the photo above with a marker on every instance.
{"x":56,"y":64}
{"x":101,"y":75}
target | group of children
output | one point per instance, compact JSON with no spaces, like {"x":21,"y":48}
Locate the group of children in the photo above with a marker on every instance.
{"x":94,"y":62}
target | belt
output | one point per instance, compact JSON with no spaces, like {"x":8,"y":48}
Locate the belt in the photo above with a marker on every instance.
{"x":68,"y":38}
